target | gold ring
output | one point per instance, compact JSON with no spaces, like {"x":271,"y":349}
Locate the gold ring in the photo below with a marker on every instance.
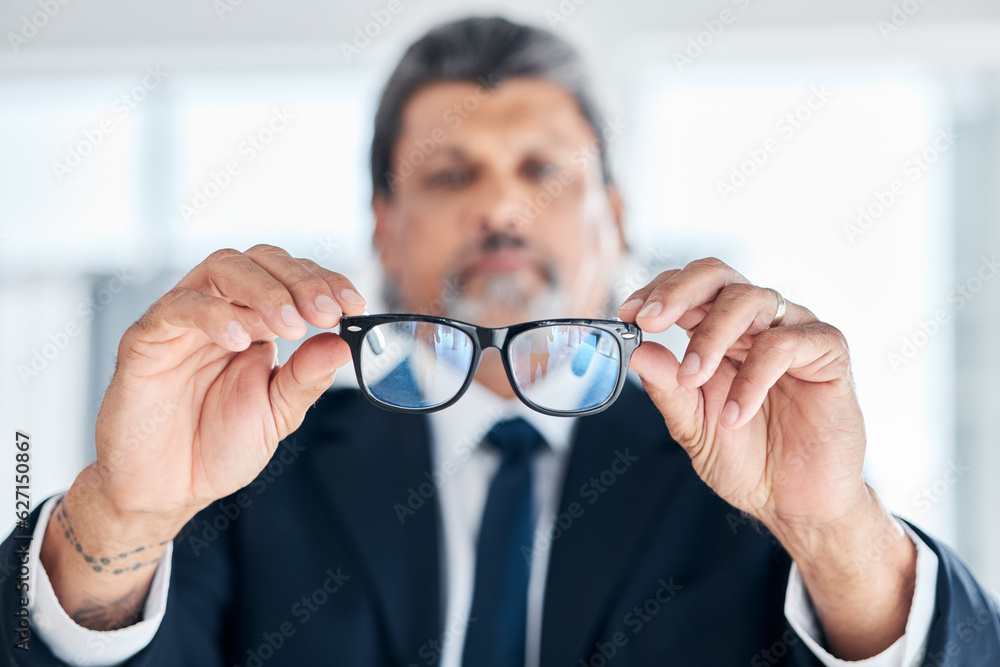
{"x":779,"y":315}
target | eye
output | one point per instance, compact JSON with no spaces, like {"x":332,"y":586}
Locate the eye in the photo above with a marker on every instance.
{"x":540,"y":170}
{"x":452,"y":179}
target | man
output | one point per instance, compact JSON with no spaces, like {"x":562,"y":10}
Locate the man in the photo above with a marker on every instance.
{"x":351,"y":537}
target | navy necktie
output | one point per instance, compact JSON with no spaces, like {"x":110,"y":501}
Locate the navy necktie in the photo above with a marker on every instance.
{"x":503,"y":552}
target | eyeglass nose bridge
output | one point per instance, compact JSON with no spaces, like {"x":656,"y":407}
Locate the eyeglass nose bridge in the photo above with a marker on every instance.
{"x":491,"y":337}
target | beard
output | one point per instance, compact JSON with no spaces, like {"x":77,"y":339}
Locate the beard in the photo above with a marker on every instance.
{"x":504,"y":300}
{"x":493,"y":299}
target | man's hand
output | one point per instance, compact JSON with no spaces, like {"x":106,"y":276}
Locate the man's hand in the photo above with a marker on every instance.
{"x":195,"y":409}
{"x":204,"y":354}
{"x":771,"y":420}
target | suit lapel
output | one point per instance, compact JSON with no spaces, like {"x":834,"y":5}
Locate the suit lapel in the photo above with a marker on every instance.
{"x":366,"y":462}
{"x":616,"y":475}
{"x":371,"y":466}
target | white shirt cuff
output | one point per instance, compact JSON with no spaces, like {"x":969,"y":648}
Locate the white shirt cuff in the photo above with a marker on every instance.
{"x":74,"y":644}
{"x":908,"y":650}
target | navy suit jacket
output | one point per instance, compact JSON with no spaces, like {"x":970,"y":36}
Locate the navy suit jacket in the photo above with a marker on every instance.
{"x":332,"y":556}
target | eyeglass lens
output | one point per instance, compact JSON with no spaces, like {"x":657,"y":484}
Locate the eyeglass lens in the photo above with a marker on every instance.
{"x":565,"y":367}
{"x":415,"y":364}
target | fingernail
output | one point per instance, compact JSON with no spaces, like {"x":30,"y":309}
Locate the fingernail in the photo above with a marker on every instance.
{"x":651,"y":309}
{"x":325,"y":304}
{"x":631,"y":303}
{"x":350,"y":296}
{"x":691,"y":364}
{"x":730,"y":413}
{"x":290,"y":316}
{"x":238,"y":333}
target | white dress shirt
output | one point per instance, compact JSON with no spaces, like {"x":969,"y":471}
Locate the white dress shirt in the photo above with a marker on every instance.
{"x":465,"y":471}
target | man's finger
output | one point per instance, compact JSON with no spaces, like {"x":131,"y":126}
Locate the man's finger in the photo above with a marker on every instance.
{"x":181,"y":308}
{"x":812,"y":352}
{"x":627,"y":311}
{"x":681,"y":406}
{"x":698,"y":283}
{"x":237,"y":278}
{"x":738,"y":310}
{"x":314,"y":299}
{"x":347,"y":295}
{"x":686,"y":297}
{"x":304,"y":377}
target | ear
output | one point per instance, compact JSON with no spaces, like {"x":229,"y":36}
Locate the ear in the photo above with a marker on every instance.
{"x":380,"y":211}
{"x":385,"y":230}
{"x":617,"y":205}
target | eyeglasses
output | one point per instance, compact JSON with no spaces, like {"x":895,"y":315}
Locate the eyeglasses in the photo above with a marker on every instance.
{"x":419,"y":363}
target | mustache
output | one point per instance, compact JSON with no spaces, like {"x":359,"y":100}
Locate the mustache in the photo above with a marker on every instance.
{"x":500,"y":241}
{"x":495,"y":242}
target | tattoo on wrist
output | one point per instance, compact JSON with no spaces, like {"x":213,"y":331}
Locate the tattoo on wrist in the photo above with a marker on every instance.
{"x":116,"y":564}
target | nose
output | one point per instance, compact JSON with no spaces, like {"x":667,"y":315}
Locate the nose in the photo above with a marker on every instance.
{"x":502,"y":206}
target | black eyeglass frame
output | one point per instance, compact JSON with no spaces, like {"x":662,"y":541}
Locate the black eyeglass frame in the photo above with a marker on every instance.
{"x":628,"y":336}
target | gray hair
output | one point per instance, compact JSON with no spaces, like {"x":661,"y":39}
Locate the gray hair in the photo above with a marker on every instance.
{"x":484,"y":50}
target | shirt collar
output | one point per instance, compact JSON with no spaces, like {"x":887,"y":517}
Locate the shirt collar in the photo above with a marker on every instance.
{"x":463,"y":425}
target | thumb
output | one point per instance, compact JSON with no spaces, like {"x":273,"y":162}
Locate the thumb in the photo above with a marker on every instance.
{"x":297,"y":384}
{"x":682,"y":407}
